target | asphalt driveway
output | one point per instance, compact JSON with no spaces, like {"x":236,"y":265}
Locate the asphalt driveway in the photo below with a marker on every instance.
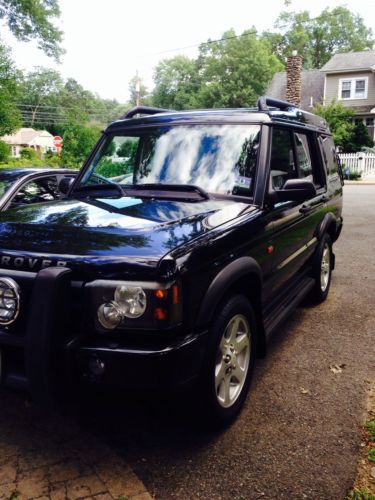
{"x":298,"y":436}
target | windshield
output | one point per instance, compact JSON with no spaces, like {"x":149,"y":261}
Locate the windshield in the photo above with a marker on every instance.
{"x":217,"y":158}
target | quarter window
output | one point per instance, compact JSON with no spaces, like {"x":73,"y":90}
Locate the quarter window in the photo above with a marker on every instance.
{"x":303,"y":156}
{"x":329,"y":155}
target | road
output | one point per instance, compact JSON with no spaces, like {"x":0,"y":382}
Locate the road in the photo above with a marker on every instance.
{"x":298,"y":436}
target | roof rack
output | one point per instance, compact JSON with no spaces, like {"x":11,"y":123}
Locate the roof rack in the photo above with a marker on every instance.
{"x":144,"y":110}
{"x":265,"y":101}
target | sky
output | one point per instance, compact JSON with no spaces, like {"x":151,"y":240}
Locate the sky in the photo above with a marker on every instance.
{"x":106,"y":42}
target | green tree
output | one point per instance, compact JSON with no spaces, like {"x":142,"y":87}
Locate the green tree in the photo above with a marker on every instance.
{"x":236,"y":70}
{"x":340,"y":121}
{"x":231,"y":72}
{"x":318,"y":39}
{"x":10,"y":117}
{"x":47,"y":101}
{"x":176,"y":83}
{"x":78,"y":140}
{"x":4,"y":151}
{"x":338,"y":30}
{"x":39,"y":91}
{"x":294,"y":33}
{"x":359,"y":139}
{"x":33,"y":20}
{"x":127,"y":149}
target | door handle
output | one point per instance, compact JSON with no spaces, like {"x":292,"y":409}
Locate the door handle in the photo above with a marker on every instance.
{"x":305,"y":209}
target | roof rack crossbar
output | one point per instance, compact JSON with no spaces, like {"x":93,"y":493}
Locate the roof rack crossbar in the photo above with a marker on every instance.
{"x":265,"y":101}
{"x":144,"y":110}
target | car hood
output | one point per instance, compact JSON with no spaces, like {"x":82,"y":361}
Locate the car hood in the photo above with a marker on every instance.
{"x":113,"y":231}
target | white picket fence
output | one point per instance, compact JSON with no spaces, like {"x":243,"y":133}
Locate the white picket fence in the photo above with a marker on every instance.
{"x":363,"y":163}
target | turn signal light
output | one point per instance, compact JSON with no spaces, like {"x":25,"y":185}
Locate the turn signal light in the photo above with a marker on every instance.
{"x":175,"y":294}
{"x":161,"y":294}
{"x":160,"y":313}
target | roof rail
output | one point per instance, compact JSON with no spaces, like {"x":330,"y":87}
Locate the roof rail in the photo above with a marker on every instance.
{"x":144,"y":110}
{"x":265,"y":101}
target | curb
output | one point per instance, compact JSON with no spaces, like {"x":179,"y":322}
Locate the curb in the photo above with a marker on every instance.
{"x":356,"y":183}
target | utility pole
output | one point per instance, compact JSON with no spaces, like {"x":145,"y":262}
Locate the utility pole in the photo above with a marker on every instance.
{"x":138,"y":89}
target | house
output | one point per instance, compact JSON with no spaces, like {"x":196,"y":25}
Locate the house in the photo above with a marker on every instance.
{"x":40,"y":140}
{"x":305,"y":88}
{"x":350,"y":79}
{"x":312,"y":87}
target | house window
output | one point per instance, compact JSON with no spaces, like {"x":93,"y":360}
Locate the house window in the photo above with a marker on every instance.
{"x":360,"y":89}
{"x":353,"y":88}
{"x":370,"y":122}
{"x":345,"y":89}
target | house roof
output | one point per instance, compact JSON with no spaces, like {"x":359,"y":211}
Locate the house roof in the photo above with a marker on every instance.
{"x":351,"y":61}
{"x":312,"y":86}
{"x":25,"y":136}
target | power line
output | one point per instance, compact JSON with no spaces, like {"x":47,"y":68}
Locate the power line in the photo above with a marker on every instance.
{"x":62,"y":108}
{"x":209,"y":42}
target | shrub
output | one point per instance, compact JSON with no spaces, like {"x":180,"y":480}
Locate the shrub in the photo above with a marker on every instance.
{"x":4,"y":151}
{"x":28,"y":154}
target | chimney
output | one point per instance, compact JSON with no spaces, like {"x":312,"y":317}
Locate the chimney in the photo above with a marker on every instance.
{"x":293,"y":78}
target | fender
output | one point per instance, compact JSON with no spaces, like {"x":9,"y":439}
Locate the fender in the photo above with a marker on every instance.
{"x":324,"y":225}
{"x":222,"y":282}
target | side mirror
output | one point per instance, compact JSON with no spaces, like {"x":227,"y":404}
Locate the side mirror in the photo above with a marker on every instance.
{"x":65,"y":184}
{"x":295,"y":190}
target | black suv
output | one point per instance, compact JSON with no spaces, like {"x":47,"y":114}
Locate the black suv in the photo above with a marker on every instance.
{"x":184,"y":241}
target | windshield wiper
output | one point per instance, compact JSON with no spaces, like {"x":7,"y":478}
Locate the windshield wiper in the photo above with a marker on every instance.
{"x":99,"y":190}
{"x":168,"y":191}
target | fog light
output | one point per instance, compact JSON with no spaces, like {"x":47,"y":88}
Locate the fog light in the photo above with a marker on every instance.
{"x":110,"y":315}
{"x":96,"y":366}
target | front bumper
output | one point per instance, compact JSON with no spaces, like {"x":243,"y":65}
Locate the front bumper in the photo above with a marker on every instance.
{"x":108,"y":363}
{"x":46,"y":354}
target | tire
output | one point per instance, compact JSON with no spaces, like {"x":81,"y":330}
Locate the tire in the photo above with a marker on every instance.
{"x":322,"y":270}
{"x":229,"y":365}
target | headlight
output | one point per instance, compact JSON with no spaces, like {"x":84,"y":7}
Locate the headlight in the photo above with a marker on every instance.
{"x":134,"y":305}
{"x":9,"y":301}
{"x":130,"y":302}
{"x":131,"y":299}
{"x":109,"y":315}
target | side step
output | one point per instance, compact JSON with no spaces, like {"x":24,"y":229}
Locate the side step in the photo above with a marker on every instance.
{"x":289,"y":301}
{"x":16,"y":381}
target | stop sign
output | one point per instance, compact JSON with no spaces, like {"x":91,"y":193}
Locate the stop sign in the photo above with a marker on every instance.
{"x":57,"y":141}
